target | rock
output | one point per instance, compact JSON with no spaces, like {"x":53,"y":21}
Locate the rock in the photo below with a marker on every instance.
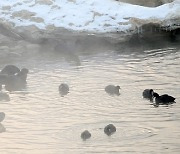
{"x":150,"y":3}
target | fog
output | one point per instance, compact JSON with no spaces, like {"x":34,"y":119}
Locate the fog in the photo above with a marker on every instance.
{"x":69,"y":44}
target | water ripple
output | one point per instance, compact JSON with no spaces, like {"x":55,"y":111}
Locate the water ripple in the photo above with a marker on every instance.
{"x":39,"y":120}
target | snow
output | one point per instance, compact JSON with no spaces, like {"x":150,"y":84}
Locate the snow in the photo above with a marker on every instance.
{"x":83,"y":15}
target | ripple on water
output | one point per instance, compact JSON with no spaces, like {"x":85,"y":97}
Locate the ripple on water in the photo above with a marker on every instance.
{"x":38,"y":118}
{"x":125,"y":131}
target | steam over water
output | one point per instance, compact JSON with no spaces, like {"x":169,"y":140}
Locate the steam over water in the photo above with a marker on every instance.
{"x":38,"y":120}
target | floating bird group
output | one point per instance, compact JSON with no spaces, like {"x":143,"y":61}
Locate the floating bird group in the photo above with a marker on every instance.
{"x":159,"y":99}
{"x":108,"y":130}
{"x":13,"y":78}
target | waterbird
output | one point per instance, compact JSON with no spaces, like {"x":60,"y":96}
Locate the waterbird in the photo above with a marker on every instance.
{"x":163,"y":99}
{"x":10,"y":70}
{"x":2,"y":116}
{"x":63,"y":89}
{"x":23,"y":74}
{"x":148,"y":94}
{"x":17,"y":81}
{"x":85,"y":135}
{"x":109,"y":129}
{"x":112,"y":90}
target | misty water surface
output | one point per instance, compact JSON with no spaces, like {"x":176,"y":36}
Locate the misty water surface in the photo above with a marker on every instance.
{"x":38,"y":120}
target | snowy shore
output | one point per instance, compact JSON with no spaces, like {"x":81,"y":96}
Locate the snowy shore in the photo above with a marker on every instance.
{"x":87,"y":15}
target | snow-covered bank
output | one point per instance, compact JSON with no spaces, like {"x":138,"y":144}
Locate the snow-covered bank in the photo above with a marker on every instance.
{"x":87,"y":15}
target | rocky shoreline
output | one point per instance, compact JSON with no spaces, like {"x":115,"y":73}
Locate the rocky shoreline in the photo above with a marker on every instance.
{"x":151,"y":3}
{"x":141,"y":30}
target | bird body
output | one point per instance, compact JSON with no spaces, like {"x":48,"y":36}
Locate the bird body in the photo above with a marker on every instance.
{"x":109,"y":129}
{"x":85,"y":135}
{"x":63,"y":89}
{"x":10,"y":70}
{"x":163,"y":99}
{"x":148,"y":94}
{"x":13,"y":81}
{"x":17,"y":81}
{"x":112,"y":90}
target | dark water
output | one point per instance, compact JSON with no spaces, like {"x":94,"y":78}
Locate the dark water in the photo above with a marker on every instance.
{"x":39,"y":121}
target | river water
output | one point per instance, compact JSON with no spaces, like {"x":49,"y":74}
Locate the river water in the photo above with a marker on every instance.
{"x":38,"y":120}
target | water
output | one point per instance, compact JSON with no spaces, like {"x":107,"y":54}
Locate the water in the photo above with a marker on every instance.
{"x":38,"y":120}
